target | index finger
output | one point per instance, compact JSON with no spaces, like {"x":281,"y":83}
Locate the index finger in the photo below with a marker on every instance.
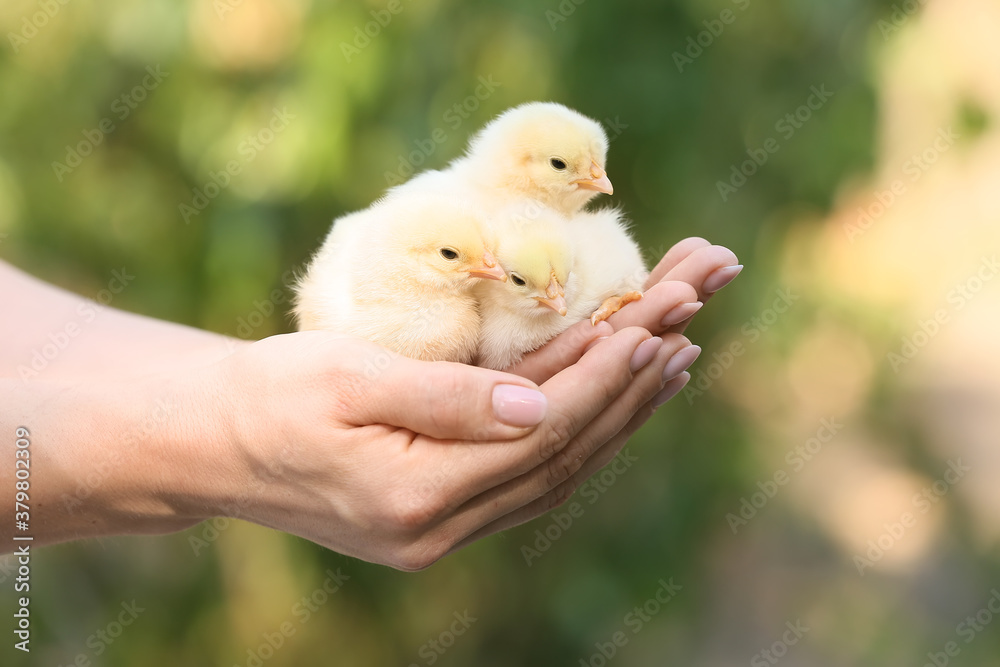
{"x":708,"y":269}
{"x":701,"y":269}
{"x":674,"y":256}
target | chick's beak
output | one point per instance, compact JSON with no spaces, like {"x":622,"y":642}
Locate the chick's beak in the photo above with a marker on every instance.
{"x":598,"y":180}
{"x":554,"y":297}
{"x":490,"y":270}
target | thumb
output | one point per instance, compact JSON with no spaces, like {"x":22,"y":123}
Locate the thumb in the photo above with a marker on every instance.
{"x":447,"y":400}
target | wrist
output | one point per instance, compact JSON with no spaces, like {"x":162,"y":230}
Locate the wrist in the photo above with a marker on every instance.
{"x":181,"y":437}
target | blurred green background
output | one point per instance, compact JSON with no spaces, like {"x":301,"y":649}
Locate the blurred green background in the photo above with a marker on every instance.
{"x":316,"y":115}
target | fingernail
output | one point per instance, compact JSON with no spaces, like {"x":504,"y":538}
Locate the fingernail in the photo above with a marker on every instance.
{"x":681,"y":313}
{"x":519,"y":406}
{"x":671,"y":390}
{"x":680,"y":362}
{"x":644,"y":353}
{"x":721,"y":277}
{"x":595,"y":342}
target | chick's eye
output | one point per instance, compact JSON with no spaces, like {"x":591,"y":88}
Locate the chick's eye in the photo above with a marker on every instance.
{"x":449,"y":253}
{"x":517,"y":280}
{"x":558,"y":164}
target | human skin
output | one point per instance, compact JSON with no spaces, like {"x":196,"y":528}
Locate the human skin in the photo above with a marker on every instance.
{"x":141,"y":426}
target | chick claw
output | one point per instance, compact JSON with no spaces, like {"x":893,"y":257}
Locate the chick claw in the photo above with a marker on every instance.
{"x":612,"y":305}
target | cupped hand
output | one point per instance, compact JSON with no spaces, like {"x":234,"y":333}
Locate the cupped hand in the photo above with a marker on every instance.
{"x":680,"y":284}
{"x":677,"y":288}
{"x":399,"y":461}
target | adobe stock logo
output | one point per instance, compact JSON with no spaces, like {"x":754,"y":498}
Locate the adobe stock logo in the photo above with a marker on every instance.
{"x":37,"y":21}
{"x":786,"y":126}
{"x":566,"y":9}
{"x":751,"y":332}
{"x":901,"y":13}
{"x":591,"y":490}
{"x":958,"y":297}
{"x":896,"y":531}
{"x":776,"y":651}
{"x":432,"y":650}
{"x":635,"y":620}
{"x":453,"y":117}
{"x":61,"y":338}
{"x":249,"y":148}
{"x":697,"y":44}
{"x":363,"y":35}
{"x":797,"y":458}
{"x":913,"y":169}
{"x":968,"y":630}
{"x":121,"y":108}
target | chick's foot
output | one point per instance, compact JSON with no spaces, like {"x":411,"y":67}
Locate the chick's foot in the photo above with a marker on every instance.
{"x":612,"y":305}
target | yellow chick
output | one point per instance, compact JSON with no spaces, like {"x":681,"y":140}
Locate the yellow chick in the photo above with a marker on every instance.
{"x":529,"y":309}
{"x":608,"y":264}
{"x":539,"y":151}
{"x":561,"y":271}
{"x":401,"y":274}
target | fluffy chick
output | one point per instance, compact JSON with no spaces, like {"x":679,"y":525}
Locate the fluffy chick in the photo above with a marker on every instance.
{"x":539,"y":151}
{"x":561,"y":271}
{"x":401,"y":274}
{"x":608,"y":264}
{"x":529,"y":309}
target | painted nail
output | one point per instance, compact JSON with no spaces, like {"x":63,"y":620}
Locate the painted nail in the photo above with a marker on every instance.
{"x":680,"y":362}
{"x":680,"y":313}
{"x":673,"y":388}
{"x":644,"y":353}
{"x":594,"y":342}
{"x":721,"y":277}
{"x":519,"y":406}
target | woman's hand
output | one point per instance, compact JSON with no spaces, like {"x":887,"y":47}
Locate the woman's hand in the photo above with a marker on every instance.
{"x":403,"y":461}
{"x":335,"y":439}
{"x":398,"y":461}
{"x":680,"y":284}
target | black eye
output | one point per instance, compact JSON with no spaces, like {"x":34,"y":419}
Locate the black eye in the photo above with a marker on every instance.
{"x":449,"y":253}
{"x":557,"y":164}
{"x":517,"y":280}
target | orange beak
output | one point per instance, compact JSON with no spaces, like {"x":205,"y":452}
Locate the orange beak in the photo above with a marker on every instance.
{"x":490,"y":270}
{"x":554,"y":297}
{"x":598,"y":180}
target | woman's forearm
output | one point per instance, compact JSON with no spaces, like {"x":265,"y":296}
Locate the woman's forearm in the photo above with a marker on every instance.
{"x":116,"y":436}
{"x":131,"y":457}
{"x":49,"y":335}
